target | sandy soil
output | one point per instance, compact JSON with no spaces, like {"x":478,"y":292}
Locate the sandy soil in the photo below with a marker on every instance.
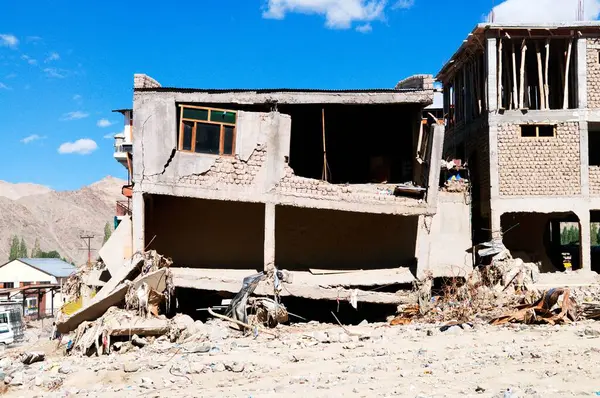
{"x":319,"y":360}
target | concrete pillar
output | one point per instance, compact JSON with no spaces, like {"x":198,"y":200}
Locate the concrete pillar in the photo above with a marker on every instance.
{"x":582,"y":88}
{"x":422,"y":252}
{"x":138,"y":221}
{"x":436,"y":152}
{"x":492,"y":74}
{"x":585,"y":244}
{"x":496,"y":221}
{"x":584,"y":157}
{"x":269,"y":249}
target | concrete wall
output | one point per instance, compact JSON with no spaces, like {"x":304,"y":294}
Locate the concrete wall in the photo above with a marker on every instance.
{"x":451,"y":236}
{"x":118,"y":247}
{"x":206,"y":233}
{"x":593,"y":73}
{"x":311,"y":238}
{"x":536,"y":166}
{"x":18,"y":272}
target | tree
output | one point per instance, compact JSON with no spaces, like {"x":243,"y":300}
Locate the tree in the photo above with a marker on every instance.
{"x":14,"y":248}
{"x":23,"y":249}
{"x":51,"y":254}
{"x":35,"y":252}
{"x":107,"y":232}
{"x":594,"y":234}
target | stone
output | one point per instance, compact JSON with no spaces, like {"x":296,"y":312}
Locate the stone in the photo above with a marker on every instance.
{"x":344,"y":338}
{"x":218,"y":367}
{"x":16,"y":379}
{"x":198,"y":348}
{"x":139,"y":341}
{"x":591,"y":332}
{"x":321,"y":337}
{"x":32,"y":357}
{"x":131,"y":367}
{"x":235,"y":367}
{"x":65,"y":369}
{"x":5,"y":363}
{"x":39,"y":381}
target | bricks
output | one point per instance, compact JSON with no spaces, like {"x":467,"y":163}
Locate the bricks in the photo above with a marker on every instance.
{"x":593,"y":73}
{"x":594,"y":180}
{"x":546,"y":166}
{"x":229,"y":171}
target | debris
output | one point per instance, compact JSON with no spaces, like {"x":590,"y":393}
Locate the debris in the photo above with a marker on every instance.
{"x":32,"y":357}
{"x":237,"y":309}
{"x":591,"y":310}
{"x":541,"y":311}
{"x":131,"y":367}
{"x":270,"y":312}
{"x":139,"y":341}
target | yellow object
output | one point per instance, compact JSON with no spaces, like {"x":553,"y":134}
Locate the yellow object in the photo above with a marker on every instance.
{"x":73,"y":306}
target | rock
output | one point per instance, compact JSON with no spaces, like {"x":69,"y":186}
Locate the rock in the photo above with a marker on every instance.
{"x":235,"y":367}
{"x":32,"y":357}
{"x":344,"y":338}
{"x":139,"y":341}
{"x":146,"y":382}
{"x":334,"y":337}
{"x":131,"y":367}
{"x":5,"y":363}
{"x":479,"y":390}
{"x":455,"y":329}
{"x":16,"y":380}
{"x":218,"y":367}
{"x":39,"y":381}
{"x":198,"y":348}
{"x":364,"y":323}
{"x":197,"y":368}
{"x":321,"y":337}
{"x":65,"y":369}
{"x":591,"y":332}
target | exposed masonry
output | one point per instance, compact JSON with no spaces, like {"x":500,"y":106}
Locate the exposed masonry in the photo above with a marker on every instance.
{"x":539,"y":166}
{"x":294,"y":185}
{"x":479,"y":146}
{"x":594,"y":180}
{"x":230,"y":171}
{"x":593,"y":72}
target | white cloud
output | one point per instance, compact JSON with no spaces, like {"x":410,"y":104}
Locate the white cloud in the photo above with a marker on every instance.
{"x":11,"y":76}
{"x":75,"y":115}
{"x":366,"y":28}
{"x":54,"y":72}
{"x":110,"y":136}
{"x":77,"y":97}
{"x":543,"y":11}
{"x":29,"y":60}
{"x":7,"y":40}
{"x":339,"y":14}
{"x":104,"y":123}
{"x":31,"y":138}
{"x":4,"y":86}
{"x":403,"y":4}
{"x":83,"y":146}
{"x":54,"y":56}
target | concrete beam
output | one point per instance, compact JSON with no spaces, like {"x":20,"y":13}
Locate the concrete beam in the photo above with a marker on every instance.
{"x":492,"y":74}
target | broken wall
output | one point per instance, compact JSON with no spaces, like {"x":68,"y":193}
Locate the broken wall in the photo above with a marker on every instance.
{"x":539,"y":166}
{"x":311,"y":238}
{"x":206,"y":233}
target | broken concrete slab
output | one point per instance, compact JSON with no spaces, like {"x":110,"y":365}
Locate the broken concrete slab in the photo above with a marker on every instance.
{"x":99,"y":305}
{"x":305,"y":286}
{"x":126,"y":272}
{"x":117,"y":249}
{"x":142,"y":327}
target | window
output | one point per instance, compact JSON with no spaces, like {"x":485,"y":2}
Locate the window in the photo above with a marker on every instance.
{"x":4,"y":317}
{"x":207,"y":130}
{"x":8,"y":285}
{"x":538,"y":130}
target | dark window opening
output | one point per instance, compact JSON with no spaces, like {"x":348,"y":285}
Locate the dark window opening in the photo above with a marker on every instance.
{"x":538,"y":130}
{"x":594,"y":144}
{"x":207,"y":130}
{"x":364,"y":143}
{"x":8,"y":285}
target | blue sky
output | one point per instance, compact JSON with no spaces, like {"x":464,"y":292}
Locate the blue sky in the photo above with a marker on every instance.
{"x":64,"y":65}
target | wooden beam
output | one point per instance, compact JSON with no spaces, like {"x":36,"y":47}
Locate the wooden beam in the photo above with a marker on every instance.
{"x":522,"y":74}
{"x":546,"y":83}
{"x":499,"y":74}
{"x":514,"y":75}
{"x":542,"y":95}
{"x":566,"y":80}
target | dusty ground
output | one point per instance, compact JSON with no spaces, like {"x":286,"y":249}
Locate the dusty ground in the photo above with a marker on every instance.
{"x":319,"y":360}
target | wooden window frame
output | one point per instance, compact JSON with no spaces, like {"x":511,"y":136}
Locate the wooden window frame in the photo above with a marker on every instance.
{"x":537,"y":130}
{"x":208,"y":121}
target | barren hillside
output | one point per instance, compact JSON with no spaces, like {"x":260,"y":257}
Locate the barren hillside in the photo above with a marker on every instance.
{"x":57,"y":219}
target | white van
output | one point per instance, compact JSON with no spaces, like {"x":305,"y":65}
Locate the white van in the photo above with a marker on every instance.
{"x":6,"y":335}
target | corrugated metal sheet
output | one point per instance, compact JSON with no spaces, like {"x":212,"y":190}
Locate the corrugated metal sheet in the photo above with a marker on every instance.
{"x":52,"y":266}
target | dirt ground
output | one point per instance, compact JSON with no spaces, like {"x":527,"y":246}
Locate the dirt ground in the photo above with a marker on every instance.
{"x":318,"y":360}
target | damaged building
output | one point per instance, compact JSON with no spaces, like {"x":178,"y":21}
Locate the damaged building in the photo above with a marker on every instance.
{"x":523,"y":109}
{"x":338,"y":187}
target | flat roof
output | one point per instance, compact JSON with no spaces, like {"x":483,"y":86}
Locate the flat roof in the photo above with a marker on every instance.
{"x":481,"y":28}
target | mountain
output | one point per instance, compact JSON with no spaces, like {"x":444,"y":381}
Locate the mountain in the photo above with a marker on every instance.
{"x":17,"y":191}
{"x":57,"y":218}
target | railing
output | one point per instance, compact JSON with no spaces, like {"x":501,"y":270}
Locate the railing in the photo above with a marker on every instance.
{"x":123,"y":208}
{"x":123,"y":147}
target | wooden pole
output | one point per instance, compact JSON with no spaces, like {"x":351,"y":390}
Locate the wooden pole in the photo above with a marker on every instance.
{"x":499,"y":74}
{"x":325,"y":176}
{"x":542,"y":95}
{"x":522,"y":75}
{"x":514,"y":74}
{"x":546,"y":83}
{"x":566,"y":80}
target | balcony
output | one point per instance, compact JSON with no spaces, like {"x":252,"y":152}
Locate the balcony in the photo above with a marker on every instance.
{"x":123,"y":150}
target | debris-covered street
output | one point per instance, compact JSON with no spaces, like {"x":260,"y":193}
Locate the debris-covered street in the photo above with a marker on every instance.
{"x":324,"y":361}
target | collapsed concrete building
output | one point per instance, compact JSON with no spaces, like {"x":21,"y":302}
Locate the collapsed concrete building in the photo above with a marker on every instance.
{"x":523,"y":106}
{"x":230,"y":182}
